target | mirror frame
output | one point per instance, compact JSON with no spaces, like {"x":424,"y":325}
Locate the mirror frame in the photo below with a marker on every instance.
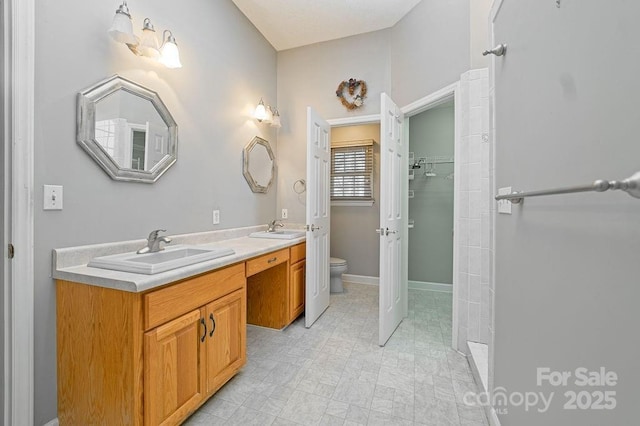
{"x":246,"y":152}
{"x":86,"y":129}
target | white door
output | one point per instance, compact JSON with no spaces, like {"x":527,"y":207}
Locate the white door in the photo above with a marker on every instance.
{"x":318,"y":210}
{"x":393,"y":218}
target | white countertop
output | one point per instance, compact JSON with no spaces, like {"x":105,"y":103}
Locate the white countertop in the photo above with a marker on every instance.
{"x":244,"y":247}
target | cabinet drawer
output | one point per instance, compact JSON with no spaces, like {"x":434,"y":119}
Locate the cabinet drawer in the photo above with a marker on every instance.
{"x":267,"y":261}
{"x":298,"y":253}
{"x":170,"y":302}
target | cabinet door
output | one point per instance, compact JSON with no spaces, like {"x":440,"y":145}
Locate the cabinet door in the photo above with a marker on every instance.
{"x":296,"y":290}
{"x":226,"y":338}
{"x":172,"y":374}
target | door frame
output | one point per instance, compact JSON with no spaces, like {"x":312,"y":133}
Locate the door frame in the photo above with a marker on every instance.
{"x":18,"y":282}
{"x":432,"y":100}
{"x":436,"y":98}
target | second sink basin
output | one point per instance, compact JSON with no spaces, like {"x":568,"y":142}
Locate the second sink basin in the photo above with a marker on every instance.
{"x":281,"y":234}
{"x":154,"y":263}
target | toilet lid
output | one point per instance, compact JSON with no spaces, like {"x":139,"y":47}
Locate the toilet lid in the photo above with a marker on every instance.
{"x":336,"y":261}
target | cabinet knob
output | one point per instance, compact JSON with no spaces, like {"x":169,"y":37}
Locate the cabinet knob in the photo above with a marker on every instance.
{"x":204,"y":325}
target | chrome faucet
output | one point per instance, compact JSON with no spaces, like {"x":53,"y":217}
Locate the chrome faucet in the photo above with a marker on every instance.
{"x":272,"y":226}
{"x":153,"y":242}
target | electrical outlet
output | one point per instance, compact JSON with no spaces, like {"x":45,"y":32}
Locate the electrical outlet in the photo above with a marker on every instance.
{"x":285,"y":213}
{"x":216,"y":217}
{"x":504,"y":206}
{"x":52,"y":197}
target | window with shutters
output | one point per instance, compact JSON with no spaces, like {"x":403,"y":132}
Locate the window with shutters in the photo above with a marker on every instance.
{"x":352,"y":173}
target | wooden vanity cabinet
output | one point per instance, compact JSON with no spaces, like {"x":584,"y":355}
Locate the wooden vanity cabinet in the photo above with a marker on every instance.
{"x":152,"y":358}
{"x":276,"y":286}
{"x":297,"y":276}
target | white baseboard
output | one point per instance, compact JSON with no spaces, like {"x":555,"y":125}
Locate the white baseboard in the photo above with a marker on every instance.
{"x":422,"y":285}
{"x":53,"y":422}
{"x":360,"y":279}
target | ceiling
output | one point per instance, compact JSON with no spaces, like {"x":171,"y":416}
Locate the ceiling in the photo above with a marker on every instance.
{"x":294,"y":23}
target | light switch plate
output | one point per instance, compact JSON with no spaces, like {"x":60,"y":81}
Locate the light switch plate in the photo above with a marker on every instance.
{"x":52,"y":197}
{"x":216,"y":217}
{"x":285,"y":213}
{"x":504,"y":206}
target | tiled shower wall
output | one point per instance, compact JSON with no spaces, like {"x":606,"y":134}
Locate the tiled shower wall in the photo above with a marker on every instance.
{"x":474,"y":230}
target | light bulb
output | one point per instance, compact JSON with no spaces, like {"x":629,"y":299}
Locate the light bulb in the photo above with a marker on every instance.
{"x":149,"y":46}
{"x":169,"y":54}
{"x":269,"y":118}
{"x":261,"y":112}
{"x":276,"y":119}
{"x":122,"y":28}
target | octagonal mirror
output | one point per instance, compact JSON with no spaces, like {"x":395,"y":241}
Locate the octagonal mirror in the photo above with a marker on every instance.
{"x":127,"y":130}
{"x":259,"y":165}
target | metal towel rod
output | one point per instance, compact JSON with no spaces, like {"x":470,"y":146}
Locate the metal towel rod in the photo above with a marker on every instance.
{"x":630,"y":185}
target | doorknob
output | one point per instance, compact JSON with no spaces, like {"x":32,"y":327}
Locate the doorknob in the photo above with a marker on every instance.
{"x":313,"y":228}
{"x":499,"y":50}
{"x":384,"y":231}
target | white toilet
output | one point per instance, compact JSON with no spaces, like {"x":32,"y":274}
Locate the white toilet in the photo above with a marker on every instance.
{"x":336,"y":269}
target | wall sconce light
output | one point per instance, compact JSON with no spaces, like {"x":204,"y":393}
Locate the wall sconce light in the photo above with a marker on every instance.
{"x":276,"y":119}
{"x":147,"y":45}
{"x":268,"y":114}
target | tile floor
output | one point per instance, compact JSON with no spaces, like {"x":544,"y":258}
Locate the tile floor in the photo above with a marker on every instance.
{"x":336,"y":374}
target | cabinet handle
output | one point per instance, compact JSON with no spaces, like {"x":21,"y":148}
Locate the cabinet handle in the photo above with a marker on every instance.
{"x":273,"y":259}
{"x":204,"y":336}
{"x":213,"y":325}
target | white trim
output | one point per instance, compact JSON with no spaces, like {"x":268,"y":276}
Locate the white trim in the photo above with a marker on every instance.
{"x":431,"y":101}
{"x":428,"y":286}
{"x":55,"y":422}
{"x":360,"y":279}
{"x":495,"y":10}
{"x":457,"y":171}
{"x":357,"y":120}
{"x":19,"y":68}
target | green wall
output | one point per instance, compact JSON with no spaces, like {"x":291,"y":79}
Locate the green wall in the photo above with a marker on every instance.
{"x":431,"y":133}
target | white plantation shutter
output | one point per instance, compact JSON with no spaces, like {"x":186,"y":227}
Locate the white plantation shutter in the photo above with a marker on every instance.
{"x":352,"y":171}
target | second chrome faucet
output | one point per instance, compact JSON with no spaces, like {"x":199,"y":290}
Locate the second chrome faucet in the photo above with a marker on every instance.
{"x":272,"y":225}
{"x":153,"y":242}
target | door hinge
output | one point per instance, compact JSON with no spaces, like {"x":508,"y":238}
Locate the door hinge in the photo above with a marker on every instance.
{"x":12,"y":251}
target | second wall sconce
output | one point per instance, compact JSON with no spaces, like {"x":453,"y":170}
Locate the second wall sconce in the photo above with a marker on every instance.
{"x":147,"y":44}
{"x":268,"y":114}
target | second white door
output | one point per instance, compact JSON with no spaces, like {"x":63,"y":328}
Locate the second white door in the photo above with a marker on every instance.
{"x":318,"y":211}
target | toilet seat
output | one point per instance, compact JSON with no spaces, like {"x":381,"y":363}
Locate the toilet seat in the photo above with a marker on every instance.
{"x":336,"y":261}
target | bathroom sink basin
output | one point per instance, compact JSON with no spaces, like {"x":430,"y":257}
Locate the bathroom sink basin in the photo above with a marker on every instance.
{"x":154,"y":263}
{"x":281,"y":234}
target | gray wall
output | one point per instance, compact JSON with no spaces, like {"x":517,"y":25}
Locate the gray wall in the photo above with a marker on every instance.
{"x":309,"y":76}
{"x":431,"y":133}
{"x":352,"y":228}
{"x":429,"y":48}
{"x":228,"y":66}
{"x":566,"y":266}
{"x":425,"y":51}
{"x":479,"y":40}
